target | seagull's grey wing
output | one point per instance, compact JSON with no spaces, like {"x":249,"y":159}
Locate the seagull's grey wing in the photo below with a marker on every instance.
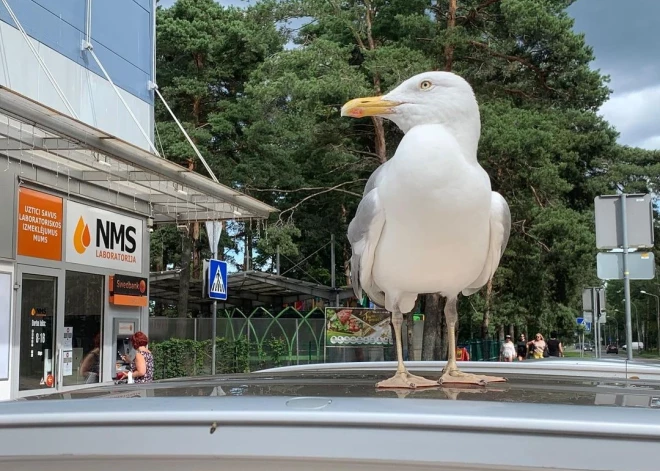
{"x":374,"y":179}
{"x":500,"y":230}
{"x":363,"y":234}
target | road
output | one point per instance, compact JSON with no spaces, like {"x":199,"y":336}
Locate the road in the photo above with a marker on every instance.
{"x":620,"y":355}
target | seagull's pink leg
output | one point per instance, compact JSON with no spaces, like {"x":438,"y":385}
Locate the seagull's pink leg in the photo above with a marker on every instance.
{"x":451,"y":374}
{"x":402,"y":378}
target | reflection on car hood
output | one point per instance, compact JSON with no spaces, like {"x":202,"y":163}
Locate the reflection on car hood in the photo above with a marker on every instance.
{"x":521,"y":387}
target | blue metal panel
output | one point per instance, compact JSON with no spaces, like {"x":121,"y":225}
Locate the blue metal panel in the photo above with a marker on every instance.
{"x":121,"y":34}
{"x":124,"y":27}
{"x":146,"y":4}
{"x":122,"y":73}
{"x":70,"y":11}
{"x":41,"y":25}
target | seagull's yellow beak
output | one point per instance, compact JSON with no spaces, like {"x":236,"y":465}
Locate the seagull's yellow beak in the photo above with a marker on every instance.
{"x":369,"y":106}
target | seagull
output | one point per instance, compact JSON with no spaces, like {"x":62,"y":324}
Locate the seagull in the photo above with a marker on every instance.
{"x":428,"y":221}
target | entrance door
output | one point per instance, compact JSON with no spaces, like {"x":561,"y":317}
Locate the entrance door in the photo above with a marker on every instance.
{"x":37,"y":350}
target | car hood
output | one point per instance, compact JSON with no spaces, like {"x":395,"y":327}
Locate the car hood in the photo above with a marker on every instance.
{"x":535,"y":384}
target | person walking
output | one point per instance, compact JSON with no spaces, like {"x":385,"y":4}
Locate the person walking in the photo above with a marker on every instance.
{"x":538,"y":346}
{"x":508,"y":350}
{"x":555,"y":348}
{"x":521,"y":348}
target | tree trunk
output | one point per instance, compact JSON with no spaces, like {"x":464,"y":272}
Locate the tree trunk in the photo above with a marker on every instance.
{"x":410,"y":337}
{"x":486,"y":322}
{"x":346,"y":252}
{"x":449,"y":47}
{"x":247,"y":256}
{"x":221,"y":248}
{"x":184,"y":275}
{"x":196,"y":252}
{"x":381,"y":148}
{"x":193,"y":231}
{"x":441,"y":347}
{"x":432,"y":337}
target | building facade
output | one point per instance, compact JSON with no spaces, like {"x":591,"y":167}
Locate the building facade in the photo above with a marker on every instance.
{"x":81,"y":187}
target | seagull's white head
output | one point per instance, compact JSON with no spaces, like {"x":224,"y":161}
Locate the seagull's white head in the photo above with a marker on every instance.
{"x":428,"y":98}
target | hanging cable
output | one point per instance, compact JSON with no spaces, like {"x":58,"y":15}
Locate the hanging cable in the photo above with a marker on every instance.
{"x":87,"y":46}
{"x":190,"y":141}
{"x":40,"y":60}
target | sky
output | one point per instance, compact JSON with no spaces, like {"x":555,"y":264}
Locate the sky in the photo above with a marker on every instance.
{"x":626,"y":44}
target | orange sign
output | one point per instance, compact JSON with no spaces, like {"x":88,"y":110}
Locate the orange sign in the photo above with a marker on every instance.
{"x":39,"y":225}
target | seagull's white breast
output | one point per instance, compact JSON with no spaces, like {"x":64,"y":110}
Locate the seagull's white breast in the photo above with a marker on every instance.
{"x":437,"y":216}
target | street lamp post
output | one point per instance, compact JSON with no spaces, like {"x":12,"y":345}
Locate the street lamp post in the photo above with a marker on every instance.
{"x":657,"y":313}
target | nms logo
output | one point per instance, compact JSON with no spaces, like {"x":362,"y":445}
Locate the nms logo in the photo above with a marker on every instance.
{"x":115,"y":237}
{"x":81,"y":236}
{"x":104,"y":238}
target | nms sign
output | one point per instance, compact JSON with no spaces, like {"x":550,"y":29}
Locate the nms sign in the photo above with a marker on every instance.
{"x":102,"y":238}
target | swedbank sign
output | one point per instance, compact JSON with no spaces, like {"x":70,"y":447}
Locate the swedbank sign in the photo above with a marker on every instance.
{"x":102,"y":238}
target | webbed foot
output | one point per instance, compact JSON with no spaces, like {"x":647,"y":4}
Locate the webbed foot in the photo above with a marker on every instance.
{"x":405,"y":380}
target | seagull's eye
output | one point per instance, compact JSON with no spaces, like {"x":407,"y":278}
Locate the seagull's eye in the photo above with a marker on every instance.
{"x":425,"y":85}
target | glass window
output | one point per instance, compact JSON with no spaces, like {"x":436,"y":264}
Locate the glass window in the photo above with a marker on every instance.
{"x":38,"y":304}
{"x":83,"y":321}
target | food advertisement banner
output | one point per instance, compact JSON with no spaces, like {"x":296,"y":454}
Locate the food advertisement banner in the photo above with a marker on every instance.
{"x":357,"y":327}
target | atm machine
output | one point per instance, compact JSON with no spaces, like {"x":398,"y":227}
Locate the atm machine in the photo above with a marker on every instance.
{"x":122,"y":330}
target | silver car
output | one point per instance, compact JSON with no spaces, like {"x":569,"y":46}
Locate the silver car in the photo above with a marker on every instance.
{"x":556,"y":414}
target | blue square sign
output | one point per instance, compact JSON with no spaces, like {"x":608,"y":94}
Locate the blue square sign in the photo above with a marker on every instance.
{"x":217,"y":280}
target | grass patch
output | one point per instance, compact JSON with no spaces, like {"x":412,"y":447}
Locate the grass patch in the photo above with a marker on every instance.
{"x":651,"y":355}
{"x":575,"y":354}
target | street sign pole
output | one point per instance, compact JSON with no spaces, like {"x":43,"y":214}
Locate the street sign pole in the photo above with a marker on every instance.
{"x":594,"y":322}
{"x":213,"y":231}
{"x":214,"y":321}
{"x":626,"y":276}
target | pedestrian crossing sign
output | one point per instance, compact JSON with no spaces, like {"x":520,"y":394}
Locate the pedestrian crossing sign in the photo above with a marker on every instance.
{"x":217,"y":281}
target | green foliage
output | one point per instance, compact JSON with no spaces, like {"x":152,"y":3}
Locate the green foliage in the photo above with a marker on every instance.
{"x":267,"y":118}
{"x":176,"y":358}
{"x":231,"y":356}
{"x":277,"y":350}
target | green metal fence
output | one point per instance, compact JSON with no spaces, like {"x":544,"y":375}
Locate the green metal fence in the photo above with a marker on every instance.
{"x":262,"y":339}
{"x":483,"y":350}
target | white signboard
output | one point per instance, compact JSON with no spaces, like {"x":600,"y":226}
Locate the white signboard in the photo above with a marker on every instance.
{"x":67,"y":343}
{"x":5,"y":323}
{"x":125,"y":328}
{"x":67,"y":363}
{"x":100,"y":238}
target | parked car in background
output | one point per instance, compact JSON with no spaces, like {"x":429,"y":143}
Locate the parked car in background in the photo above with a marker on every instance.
{"x":612,"y":348}
{"x":636,"y":346}
{"x":587,"y":347}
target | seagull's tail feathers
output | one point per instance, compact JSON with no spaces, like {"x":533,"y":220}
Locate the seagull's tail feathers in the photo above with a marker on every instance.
{"x":363,"y":234}
{"x":500,"y":230}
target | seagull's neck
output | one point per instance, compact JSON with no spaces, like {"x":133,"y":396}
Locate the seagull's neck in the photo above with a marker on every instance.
{"x":466,"y":134}
{"x":468,"y":139}
{"x":463,"y":122}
